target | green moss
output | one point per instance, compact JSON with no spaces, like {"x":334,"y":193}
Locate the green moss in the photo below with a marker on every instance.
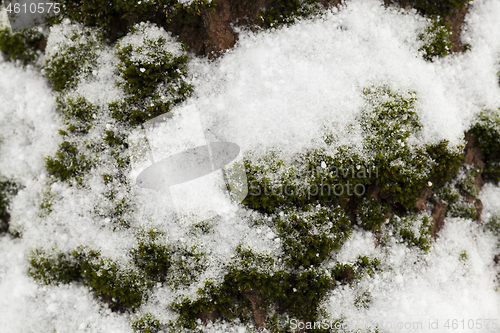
{"x":146,"y":324}
{"x":297,"y":294}
{"x":155,"y":260}
{"x":462,"y":210}
{"x":280,"y":12}
{"x":75,"y":56}
{"x":153,"y":78}
{"x":311,"y":234}
{"x":120,"y":288}
{"x":55,"y":268}
{"x":439,"y":7}
{"x":487,"y":133}
{"x":186,"y":264}
{"x":389,"y":120}
{"x":68,"y":164}
{"x":372,"y":213}
{"x":467,"y":183}
{"x":448,"y":194}
{"x":436,"y":39}
{"x":8,"y":189}
{"x":23,"y":46}
{"x":116,"y":17}
{"x":348,"y":273}
{"x":398,"y":169}
{"x":413,"y":230}
{"x":446,"y":164}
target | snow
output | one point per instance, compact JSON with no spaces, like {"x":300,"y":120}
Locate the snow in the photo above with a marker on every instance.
{"x":281,"y":90}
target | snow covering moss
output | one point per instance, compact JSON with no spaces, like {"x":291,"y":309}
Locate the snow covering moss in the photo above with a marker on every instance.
{"x":8,"y":189}
{"x":437,"y":40}
{"x":70,"y":54}
{"x":441,"y":8}
{"x":118,"y":286}
{"x":153,"y":74}
{"x":372,"y":213}
{"x":23,"y":46}
{"x":115,"y":17}
{"x":280,"y":12}
{"x":487,"y":132}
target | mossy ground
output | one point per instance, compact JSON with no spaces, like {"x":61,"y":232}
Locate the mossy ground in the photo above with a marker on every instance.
{"x":311,"y":221}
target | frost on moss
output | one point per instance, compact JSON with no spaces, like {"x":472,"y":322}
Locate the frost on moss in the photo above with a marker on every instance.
{"x":487,"y":133}
{"x":310,"y":234}
{"x":8,"y":189}
{"x":71,"y":52}
{"x":280,"y":12}
{"x":372,"y":213}
{"x":146,"y":324}
{"x":152,"y":67}
{"x":439,"y":7}
{"x":413,"y":230}
{"x":115,"y":17}
{"x":23,"y":46}
{"x":119,"y":287}
{"x":69,"y":163}
{"x":436,"y":40}
{"x":391,"y":161}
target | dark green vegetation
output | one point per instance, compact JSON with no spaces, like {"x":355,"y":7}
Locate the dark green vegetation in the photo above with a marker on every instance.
{"x":280,"y":12}
{"x":438,"y":7}
{"x":23,"y":46}
{"x":116,"y":17}
{"x":437,"y":40}
{"x":154,"y":82}
{"x":8,"y":189}
{"x":74,"y":57}
{"x":398,"y":171}
{"x":487,"y":133}
{"x":119,"y":288}
{"x":311,"y":206}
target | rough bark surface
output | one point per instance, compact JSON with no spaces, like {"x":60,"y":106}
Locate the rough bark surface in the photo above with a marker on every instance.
{"x":438,"y":215}
{"x":259,"y":313}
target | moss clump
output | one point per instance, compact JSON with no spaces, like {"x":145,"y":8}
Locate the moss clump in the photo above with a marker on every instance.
{"x":146,"y":324}
{"x":79,"y":113}
{"x":68,"y":164}
{"x":348,"y":273}
{"x":448,"y":194}
{"x":439,"y":7}
{"x":8,"y":189}
{"x":462,"y":210}
{"x":372,"y":213}
{"x":55,"y":268}
{"x":185,"y":266}
{"x":71,"y":56}
{"x":153,"y":74}
{"x":280,"y":12}
{"x":436,"y":40}
{"x":487,"y":133}
{"x":154,"y":259}
{"x":398,"y":169}
{"x":413,"y":230}
{"x":119,"y":287}
{"x":23,"y":46}
{"x":388,"y":122}
{"x":467,"y":184}
{"x":115,"y":17}
{"x":297,"y":294}
{"x":311,"y":234}
{"x":446,"y":164}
